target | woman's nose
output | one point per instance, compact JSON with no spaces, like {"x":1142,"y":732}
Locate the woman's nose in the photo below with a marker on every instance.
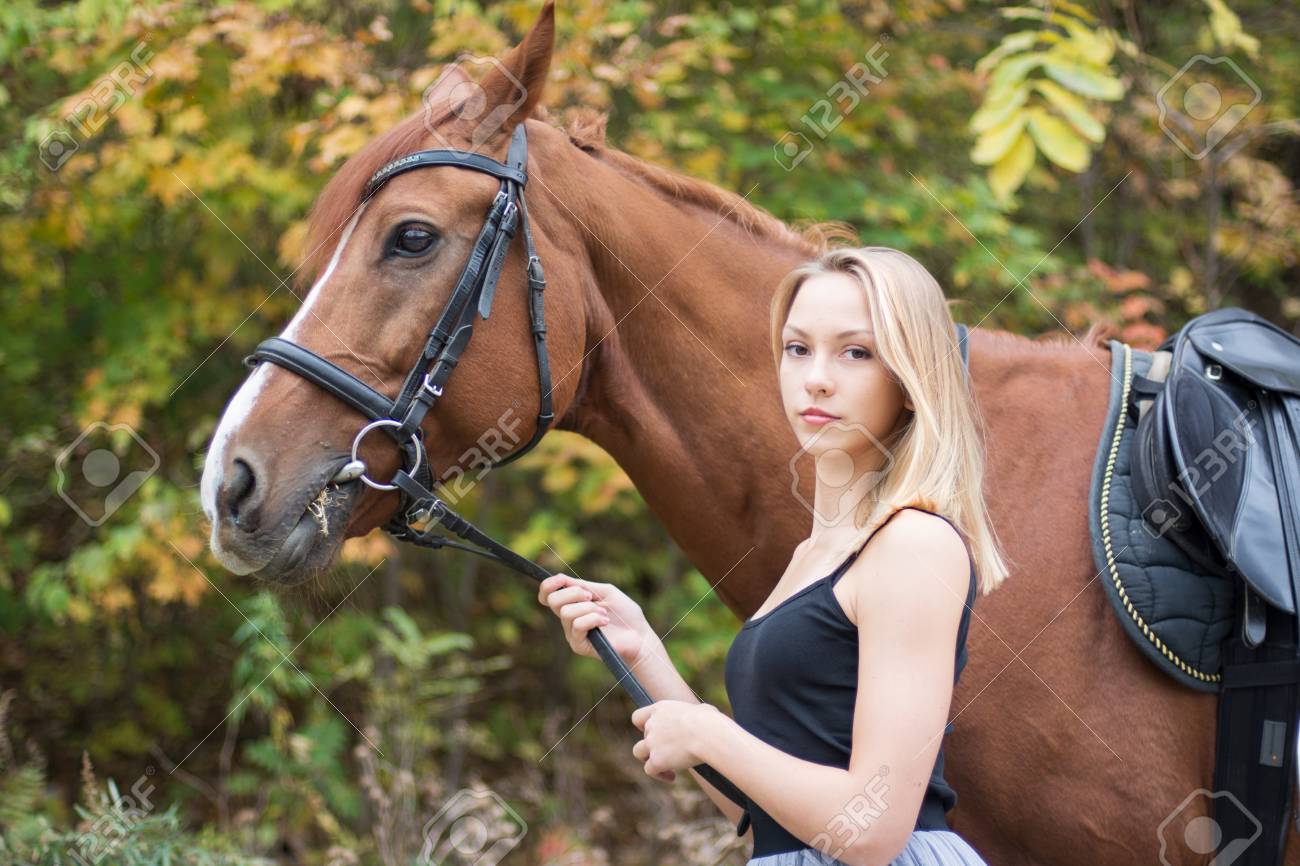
{"x":819,"y":379}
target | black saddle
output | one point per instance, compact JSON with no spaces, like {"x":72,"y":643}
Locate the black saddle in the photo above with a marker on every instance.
{"x":1195,"y":518}
{"x":1217,"y":467}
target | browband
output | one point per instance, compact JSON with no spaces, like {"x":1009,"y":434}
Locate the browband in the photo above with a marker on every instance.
{"x":444,"y":156}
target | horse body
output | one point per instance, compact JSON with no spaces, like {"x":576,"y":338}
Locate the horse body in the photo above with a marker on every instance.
{"x":1068,"y":746}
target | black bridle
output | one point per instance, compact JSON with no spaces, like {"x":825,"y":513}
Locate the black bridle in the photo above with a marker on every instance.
{"x":420,"y":510}
{"x":401,"y":417}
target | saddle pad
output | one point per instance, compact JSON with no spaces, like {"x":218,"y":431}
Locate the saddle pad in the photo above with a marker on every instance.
{"x":1178,"y":615}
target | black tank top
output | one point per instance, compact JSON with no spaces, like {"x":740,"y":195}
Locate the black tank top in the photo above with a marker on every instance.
{"x":794,"y":687}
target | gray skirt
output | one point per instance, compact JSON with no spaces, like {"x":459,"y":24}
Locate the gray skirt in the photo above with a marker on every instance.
{"x":924,"y":848}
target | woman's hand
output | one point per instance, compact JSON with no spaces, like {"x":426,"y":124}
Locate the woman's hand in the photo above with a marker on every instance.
{"x":583,"y":605}
{"x":674,"y":732}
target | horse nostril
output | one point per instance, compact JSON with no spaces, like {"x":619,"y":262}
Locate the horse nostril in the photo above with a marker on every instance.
{"x":236,"y":490}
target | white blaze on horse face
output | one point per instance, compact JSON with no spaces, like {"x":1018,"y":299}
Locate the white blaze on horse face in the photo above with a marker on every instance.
{"x":242,"y":404}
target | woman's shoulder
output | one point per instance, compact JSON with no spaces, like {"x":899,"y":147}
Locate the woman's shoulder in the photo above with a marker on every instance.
{"x":915,"y":525}
{"x":899,"y":568}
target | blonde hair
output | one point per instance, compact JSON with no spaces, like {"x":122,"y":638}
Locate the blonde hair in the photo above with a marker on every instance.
{"x":938,"y":452}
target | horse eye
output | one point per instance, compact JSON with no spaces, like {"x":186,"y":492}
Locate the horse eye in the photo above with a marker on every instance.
{"x":413,"y":239}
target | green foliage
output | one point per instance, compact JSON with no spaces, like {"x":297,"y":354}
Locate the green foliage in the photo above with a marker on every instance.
{"x":121,"y":836}
{"x":113,"y":827}
{"x":264,"y":674}
{"x":1224,"y":31}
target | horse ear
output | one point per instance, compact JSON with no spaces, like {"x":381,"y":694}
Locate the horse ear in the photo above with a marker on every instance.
{"x":513,"y":87}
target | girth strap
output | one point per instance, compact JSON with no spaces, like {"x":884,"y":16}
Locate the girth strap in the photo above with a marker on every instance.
{"x":1255,"y":744}
{"x":1252,"y":675}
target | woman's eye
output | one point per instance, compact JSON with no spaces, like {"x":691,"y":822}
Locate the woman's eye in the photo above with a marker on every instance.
{"x":413,"y":240}
{"x":795,"y":349}
{"x":860,"y":354}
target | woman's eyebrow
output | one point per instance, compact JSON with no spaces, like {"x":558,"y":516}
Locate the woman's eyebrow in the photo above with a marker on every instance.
{"x":849,"y":333}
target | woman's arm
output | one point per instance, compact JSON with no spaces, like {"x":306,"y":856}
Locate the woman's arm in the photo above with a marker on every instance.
{"x":909,"y":590}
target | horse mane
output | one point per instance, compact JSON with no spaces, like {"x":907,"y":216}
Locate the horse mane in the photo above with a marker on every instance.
{"x":1095,"y":337}
{"x":586,"y":130}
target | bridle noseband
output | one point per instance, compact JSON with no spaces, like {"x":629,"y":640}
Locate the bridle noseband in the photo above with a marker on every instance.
{"x":401,"y":417}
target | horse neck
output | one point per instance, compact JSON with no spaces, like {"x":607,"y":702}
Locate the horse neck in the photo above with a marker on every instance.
{"x":678,"y":382}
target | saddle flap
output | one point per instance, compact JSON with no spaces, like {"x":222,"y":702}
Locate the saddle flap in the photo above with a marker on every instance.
{"x":1222,"y":441}
{"x":1253,"y":348}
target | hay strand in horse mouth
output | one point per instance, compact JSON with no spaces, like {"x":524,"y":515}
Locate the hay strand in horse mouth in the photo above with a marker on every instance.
{"x":319,"y":507}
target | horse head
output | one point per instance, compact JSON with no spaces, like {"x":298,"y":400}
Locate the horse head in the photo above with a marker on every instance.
{"x":385,"y":264}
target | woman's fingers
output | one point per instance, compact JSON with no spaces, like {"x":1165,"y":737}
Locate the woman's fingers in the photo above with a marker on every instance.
{"x":555,"y":582}
{"x":561,"y":589}
{"x":587,"y":621}
{"x":558,"y":599}
{"x":578,"y":632}
{"x":574,"y":609}
{"x":641,"y":751}
{"x":580,"y":606}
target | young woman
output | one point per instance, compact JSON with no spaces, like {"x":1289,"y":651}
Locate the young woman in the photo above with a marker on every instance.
{"x":842,"y":681}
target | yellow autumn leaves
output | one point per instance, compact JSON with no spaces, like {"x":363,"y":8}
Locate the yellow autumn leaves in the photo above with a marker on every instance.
{"x":1044,"y":88}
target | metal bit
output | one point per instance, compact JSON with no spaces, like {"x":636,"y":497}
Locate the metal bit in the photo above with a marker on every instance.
{"x":351,"y":471}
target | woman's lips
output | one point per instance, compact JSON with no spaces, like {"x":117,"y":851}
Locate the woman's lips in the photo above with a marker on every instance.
{"x":817,"y":419}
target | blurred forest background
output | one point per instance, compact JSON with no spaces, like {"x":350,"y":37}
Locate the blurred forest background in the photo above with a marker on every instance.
{"x":157,"y":163}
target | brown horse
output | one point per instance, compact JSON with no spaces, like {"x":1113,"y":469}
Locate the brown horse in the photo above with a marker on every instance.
{"x":1069,"y":746}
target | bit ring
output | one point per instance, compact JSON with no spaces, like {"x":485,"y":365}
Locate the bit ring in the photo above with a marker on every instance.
{"x":356,"y":443}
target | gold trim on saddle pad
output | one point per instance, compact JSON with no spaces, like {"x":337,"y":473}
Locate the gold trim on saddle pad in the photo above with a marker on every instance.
{"x":1105,"y":532}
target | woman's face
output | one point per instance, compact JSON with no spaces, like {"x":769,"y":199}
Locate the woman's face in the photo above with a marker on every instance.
{"x":829,"y":365}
